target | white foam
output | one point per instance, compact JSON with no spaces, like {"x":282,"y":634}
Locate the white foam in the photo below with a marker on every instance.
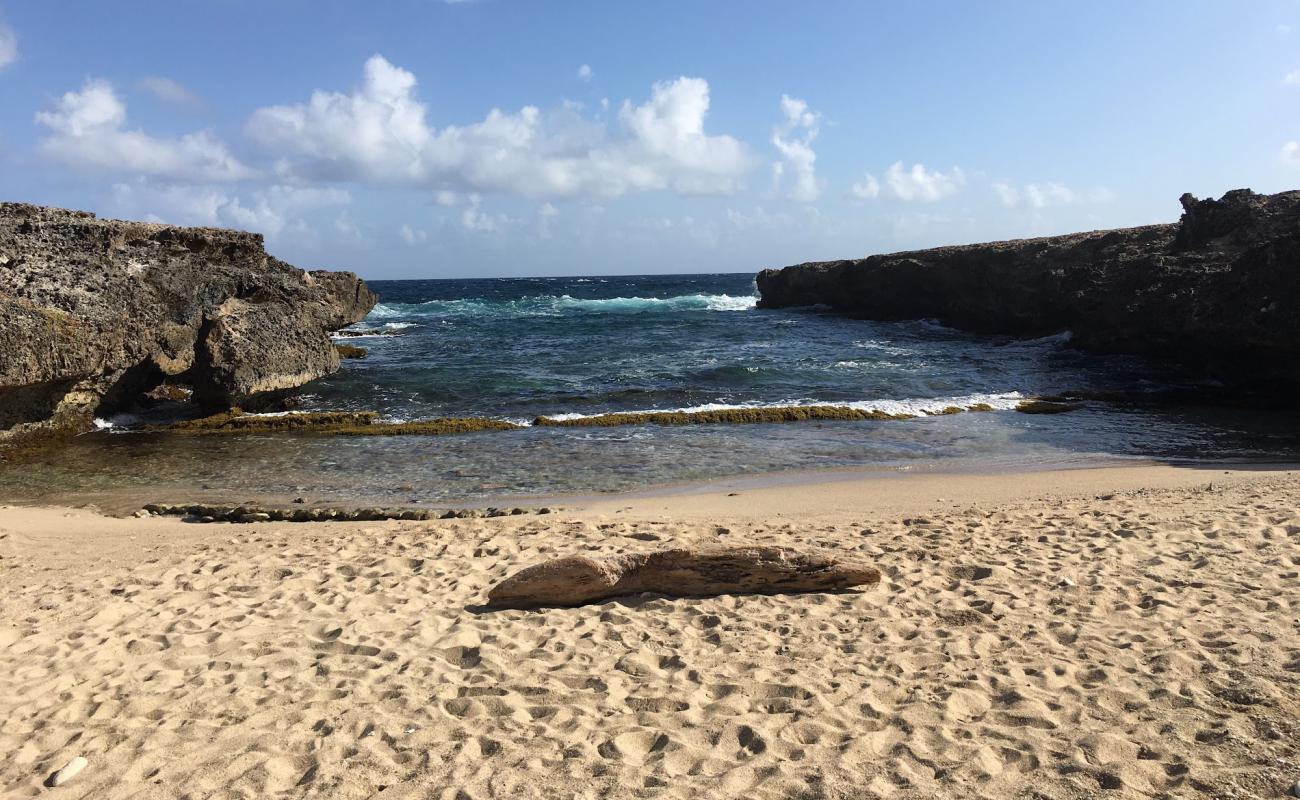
{"x":554,"y":305}
{"x":1001,"y":401}
{"x":118,"y":423}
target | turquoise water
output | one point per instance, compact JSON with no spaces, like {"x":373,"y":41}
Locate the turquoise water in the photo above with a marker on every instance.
{"x":519,"y":348}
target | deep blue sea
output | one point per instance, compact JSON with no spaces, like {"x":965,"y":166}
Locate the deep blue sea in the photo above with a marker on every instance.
{"x":519,"y":348}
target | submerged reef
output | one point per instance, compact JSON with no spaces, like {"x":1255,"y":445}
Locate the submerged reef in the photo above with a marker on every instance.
{"x":337,"y":423}
{"x":96,"y":313}
{"x":366,"y":423}
{"x":1218,"y":291}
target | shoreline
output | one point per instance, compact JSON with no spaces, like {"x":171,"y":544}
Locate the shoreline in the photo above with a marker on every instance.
{"x":802,"y":493}
{"x":125,"y":501}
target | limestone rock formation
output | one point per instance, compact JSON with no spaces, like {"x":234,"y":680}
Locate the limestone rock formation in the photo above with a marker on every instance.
{"x":94,"y":312}
{"x":577,"y":580}
{"x":1218,"y":291}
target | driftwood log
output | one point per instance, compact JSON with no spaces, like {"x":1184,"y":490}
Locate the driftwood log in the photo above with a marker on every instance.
{"x":577,"y":580}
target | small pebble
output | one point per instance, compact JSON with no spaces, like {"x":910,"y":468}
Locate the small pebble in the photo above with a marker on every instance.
{"x":68,"y":772}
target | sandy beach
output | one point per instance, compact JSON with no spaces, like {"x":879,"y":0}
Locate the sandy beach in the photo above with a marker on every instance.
{"x":1118,"y":633}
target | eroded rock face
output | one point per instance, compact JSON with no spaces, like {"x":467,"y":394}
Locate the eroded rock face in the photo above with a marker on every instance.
{"x":95,"y":312}
{"x":577,"y":580}
{"x":1218,"y":291}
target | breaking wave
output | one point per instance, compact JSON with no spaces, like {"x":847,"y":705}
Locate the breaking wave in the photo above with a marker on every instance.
{"x":553,"y":305}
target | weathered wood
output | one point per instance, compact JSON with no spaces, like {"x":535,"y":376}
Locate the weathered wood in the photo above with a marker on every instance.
{"x":577,"y":580}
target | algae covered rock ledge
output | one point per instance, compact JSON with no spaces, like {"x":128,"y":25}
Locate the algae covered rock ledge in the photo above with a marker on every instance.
{"x":96,"y":312}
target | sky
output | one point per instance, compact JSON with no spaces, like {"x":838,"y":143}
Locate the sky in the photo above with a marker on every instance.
{"x":490,"y":138}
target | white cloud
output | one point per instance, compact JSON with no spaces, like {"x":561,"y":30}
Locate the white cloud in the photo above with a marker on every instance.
{"x":8,"y":45}
{"x":87,"y":129}
{"x":1292,"y":78}
{"x":412,"y":236}
{"x":170,"y":91}
{"x":1291,"y":154}
{"x":1044,"y":195}
{"x":474,"y":219}
{"x":378,"y":134}
{"x":347,"y":230}
{"x":1008,"y":194}
{"x":866,"y":189}
{"x":919,"y":183}
{"x":271,"y":211}
{"x":585,"y":73}
{"x":1284,"y":29}
{"x":758,"y":219}
{"x":793,"y":138}
{"x":546,"y":214}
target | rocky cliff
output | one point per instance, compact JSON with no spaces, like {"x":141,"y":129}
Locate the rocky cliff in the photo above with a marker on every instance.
{"x":95,"y":312}
{"x":1218,"y":291}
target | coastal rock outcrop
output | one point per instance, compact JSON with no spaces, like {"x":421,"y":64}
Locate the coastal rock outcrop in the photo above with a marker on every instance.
{"x":95,"y":312}
{"x":577,"y":580}
{"x":1218,"y":291}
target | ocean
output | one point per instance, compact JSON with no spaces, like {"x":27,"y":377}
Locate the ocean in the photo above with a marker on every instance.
{"x":516,"y":349}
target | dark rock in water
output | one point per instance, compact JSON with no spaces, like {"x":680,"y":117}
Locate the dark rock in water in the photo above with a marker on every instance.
{"x":1218,"y":291}
{"x":236,"y":421}
{"x":577,"y":580}
{"x":351,"y":351}
{"x":95,"y":312}
{"x":249,"y":512}
{"x":1044,"y":407}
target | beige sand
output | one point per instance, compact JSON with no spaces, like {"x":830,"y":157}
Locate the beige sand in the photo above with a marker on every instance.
{"x":1103,"y":633}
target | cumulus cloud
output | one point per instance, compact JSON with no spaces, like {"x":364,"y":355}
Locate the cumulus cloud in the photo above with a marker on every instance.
{"x":475,"y":220}
{"x":1291,"y":154}
{"x":8,"y":45}
{"x":585,"y":73}
{"x":1044,"y":195}
{"x":271,"y":211}
{"x":866,"y":189}
{"x":347,"y":230}
{"x":378,"y":133}
{"x":88,"y":129}
{"x":412,"y":236}
{"x":917,"y":183}
{"x":170,"y":91}
{"x":793,"y":138}
{"x":546,"y":214}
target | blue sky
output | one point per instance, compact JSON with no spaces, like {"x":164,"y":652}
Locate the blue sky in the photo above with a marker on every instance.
{"x":424,"y":138}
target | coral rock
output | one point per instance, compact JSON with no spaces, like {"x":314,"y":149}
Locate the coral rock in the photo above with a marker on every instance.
{"x":95,"y":312}
{"x":1218,"y":291}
